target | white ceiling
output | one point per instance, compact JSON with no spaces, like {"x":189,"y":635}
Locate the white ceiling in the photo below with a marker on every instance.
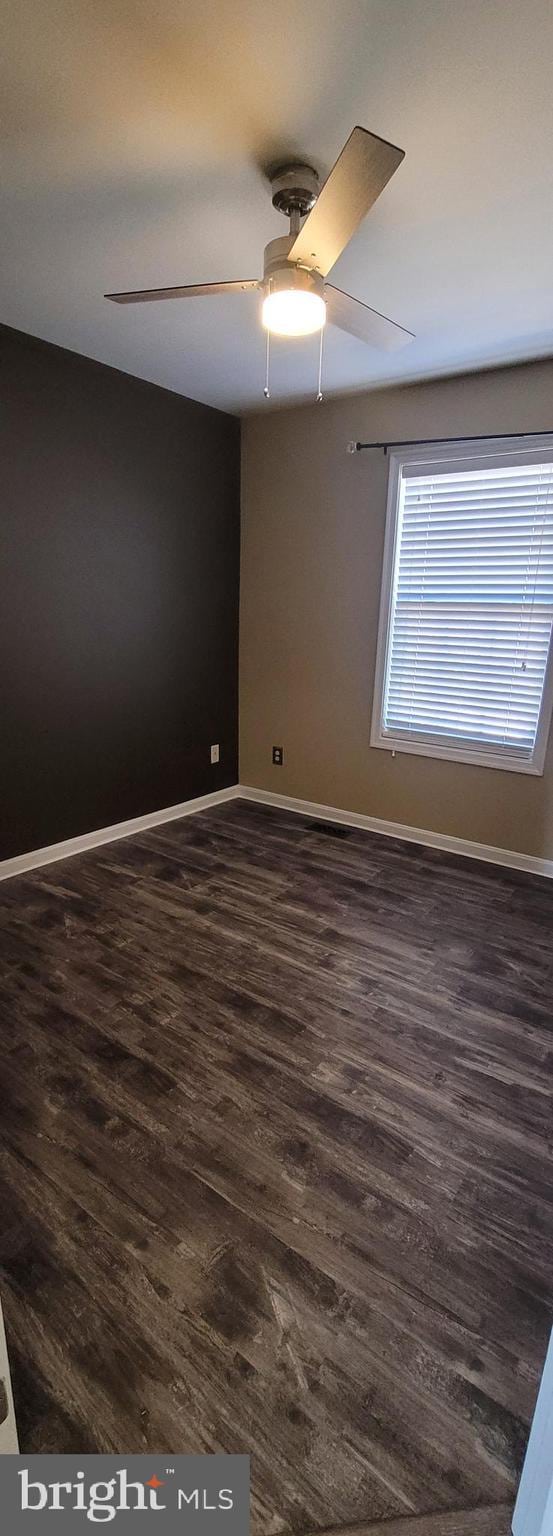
{"x":132,"y":140}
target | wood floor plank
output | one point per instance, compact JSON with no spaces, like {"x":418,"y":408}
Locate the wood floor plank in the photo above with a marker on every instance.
{"x":275,"y":1163}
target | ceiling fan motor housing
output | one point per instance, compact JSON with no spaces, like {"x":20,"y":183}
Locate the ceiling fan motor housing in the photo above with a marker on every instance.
{"x":279,"y":272}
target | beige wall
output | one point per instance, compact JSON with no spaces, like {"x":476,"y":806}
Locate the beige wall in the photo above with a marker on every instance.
{"x":312,"y":542}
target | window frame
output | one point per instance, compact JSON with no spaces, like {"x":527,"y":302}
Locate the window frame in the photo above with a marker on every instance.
{"x":532,"y":448}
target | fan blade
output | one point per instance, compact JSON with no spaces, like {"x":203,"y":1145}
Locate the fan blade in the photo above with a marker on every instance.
{"x":192,"y":291}
{"x":359,"y":176}
{"x":370,"y":326}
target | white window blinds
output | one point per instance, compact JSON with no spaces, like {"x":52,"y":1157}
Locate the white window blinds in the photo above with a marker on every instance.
{"x":471,"y":607}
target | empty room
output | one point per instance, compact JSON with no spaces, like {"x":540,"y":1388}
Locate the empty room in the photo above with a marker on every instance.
{"x":276,"y":766}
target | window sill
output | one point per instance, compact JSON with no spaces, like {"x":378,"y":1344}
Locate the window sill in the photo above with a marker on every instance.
{"x":455,"y":754}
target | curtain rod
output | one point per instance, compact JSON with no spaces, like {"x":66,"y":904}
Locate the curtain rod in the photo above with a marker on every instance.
{"x":425,"y":442}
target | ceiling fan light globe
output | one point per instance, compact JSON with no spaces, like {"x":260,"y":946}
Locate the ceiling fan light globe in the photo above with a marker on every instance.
{"x":293,"y":312}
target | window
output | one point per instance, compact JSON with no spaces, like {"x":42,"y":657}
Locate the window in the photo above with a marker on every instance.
{"x":463,"y":664}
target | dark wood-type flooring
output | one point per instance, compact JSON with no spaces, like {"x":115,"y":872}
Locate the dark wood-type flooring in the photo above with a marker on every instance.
{"x":276,"y":1146}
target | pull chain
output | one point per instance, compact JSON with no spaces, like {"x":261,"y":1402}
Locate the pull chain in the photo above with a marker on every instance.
{"x":319,"y":395}
{"x":266,"y":391}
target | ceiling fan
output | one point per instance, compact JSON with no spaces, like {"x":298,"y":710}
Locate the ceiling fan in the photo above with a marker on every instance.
{"x":296,"y":298}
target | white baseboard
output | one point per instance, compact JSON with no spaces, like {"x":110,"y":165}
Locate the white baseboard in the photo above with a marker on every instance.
{"x":72,"y":845}
{"x":511,"y":860}
{"x":8,"y":1431}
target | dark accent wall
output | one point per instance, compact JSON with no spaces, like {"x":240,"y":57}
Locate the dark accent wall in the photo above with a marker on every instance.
{"x":119,"y":585}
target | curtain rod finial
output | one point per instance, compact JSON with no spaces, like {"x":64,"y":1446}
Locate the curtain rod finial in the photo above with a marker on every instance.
{"x":352,"y":447}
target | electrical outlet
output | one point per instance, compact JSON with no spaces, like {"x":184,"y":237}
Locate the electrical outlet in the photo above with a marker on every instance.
{"x":215,"y":753}
{"x":278,"y":756}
